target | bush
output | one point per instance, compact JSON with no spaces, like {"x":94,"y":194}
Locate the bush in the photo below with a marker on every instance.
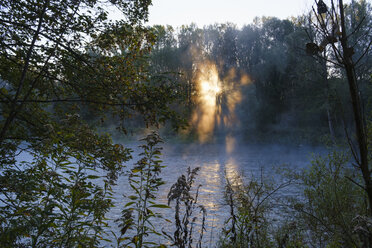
{"x":332,"y":200}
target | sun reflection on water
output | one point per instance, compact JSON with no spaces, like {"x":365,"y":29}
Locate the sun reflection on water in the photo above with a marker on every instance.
{"x":210,"y":173}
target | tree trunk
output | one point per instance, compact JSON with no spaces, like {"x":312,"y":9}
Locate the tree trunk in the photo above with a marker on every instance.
{"x":357,"y":109}
{"x":330,"y":124}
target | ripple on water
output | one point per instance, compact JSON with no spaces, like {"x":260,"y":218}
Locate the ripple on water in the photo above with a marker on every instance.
{"x":214,"y":162}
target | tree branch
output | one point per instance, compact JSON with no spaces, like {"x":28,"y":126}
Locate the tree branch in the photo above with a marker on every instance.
{"x":75,"y":100}
{"x":356,"y":183}
{"x":364,"y":53}
{"x":12,"y":114}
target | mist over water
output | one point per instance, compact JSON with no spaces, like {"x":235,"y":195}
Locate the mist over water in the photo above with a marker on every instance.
{"x":220,"y":151}
{"x":216,"y":161}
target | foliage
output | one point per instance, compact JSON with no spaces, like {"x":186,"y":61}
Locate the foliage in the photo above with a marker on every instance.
{"x":186,"y":205}
{"x":289,"y":235}
{"x":332,"y":201}
{"x":68,"y":58}
{"x":57,"y":197}
{"x":139,"y":212}
{"x":62,"y":62}
{"x":250,"y":204}
{"x":329,"y":209}
{"x":332,"y":26}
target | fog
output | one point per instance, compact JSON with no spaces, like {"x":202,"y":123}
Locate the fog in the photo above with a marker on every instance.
{"x":252,"y":162}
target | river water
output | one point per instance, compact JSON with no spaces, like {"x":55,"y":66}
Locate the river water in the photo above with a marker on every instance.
{"x":216,"y":161}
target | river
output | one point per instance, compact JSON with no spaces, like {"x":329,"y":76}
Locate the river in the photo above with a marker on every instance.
{"x":216,"y":161}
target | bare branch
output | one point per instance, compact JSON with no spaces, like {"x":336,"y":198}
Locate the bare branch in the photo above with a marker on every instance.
{"x":283,"y":185}
{"x":350,"y":142}
{"x":330,"y":61}
{"x":356,"y":29}
{"x":364,"y":53}
{"x":356,"y":183}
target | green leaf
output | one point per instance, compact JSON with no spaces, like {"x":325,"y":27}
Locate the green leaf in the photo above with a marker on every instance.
{"x":136,"y":170}
{"x":159,"y":206}
{"x":93,"y":177}
{"x":133,"y":197}
{"x":128,"y":204}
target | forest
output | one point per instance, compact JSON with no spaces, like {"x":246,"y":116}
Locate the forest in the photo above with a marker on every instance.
{"x":263,"y":70}
{"x":79,"y":89}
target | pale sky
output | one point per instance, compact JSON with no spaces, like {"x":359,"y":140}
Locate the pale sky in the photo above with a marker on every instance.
{"x":240,"y":12}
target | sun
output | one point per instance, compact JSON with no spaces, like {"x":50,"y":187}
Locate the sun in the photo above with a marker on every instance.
{"x":208,"y":90}
{"x":209,"y":86}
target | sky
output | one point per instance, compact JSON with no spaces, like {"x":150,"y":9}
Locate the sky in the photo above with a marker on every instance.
{"x":205,"y":12}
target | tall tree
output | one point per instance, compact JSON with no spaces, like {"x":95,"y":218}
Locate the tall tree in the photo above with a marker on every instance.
{"x":332,"y":23}
{"x":56,"y":58}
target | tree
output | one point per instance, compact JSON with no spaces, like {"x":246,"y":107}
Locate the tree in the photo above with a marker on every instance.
{"x":332,"y":24}
{"x":271,"y":69}
{"x":175,"y":60}
{"x":57,"y":59}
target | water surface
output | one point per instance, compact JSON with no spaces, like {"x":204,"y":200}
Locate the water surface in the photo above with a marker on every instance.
{"x":216,"y":161}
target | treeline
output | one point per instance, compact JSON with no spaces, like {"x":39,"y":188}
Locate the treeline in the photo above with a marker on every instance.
{"x":289,"y":95}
